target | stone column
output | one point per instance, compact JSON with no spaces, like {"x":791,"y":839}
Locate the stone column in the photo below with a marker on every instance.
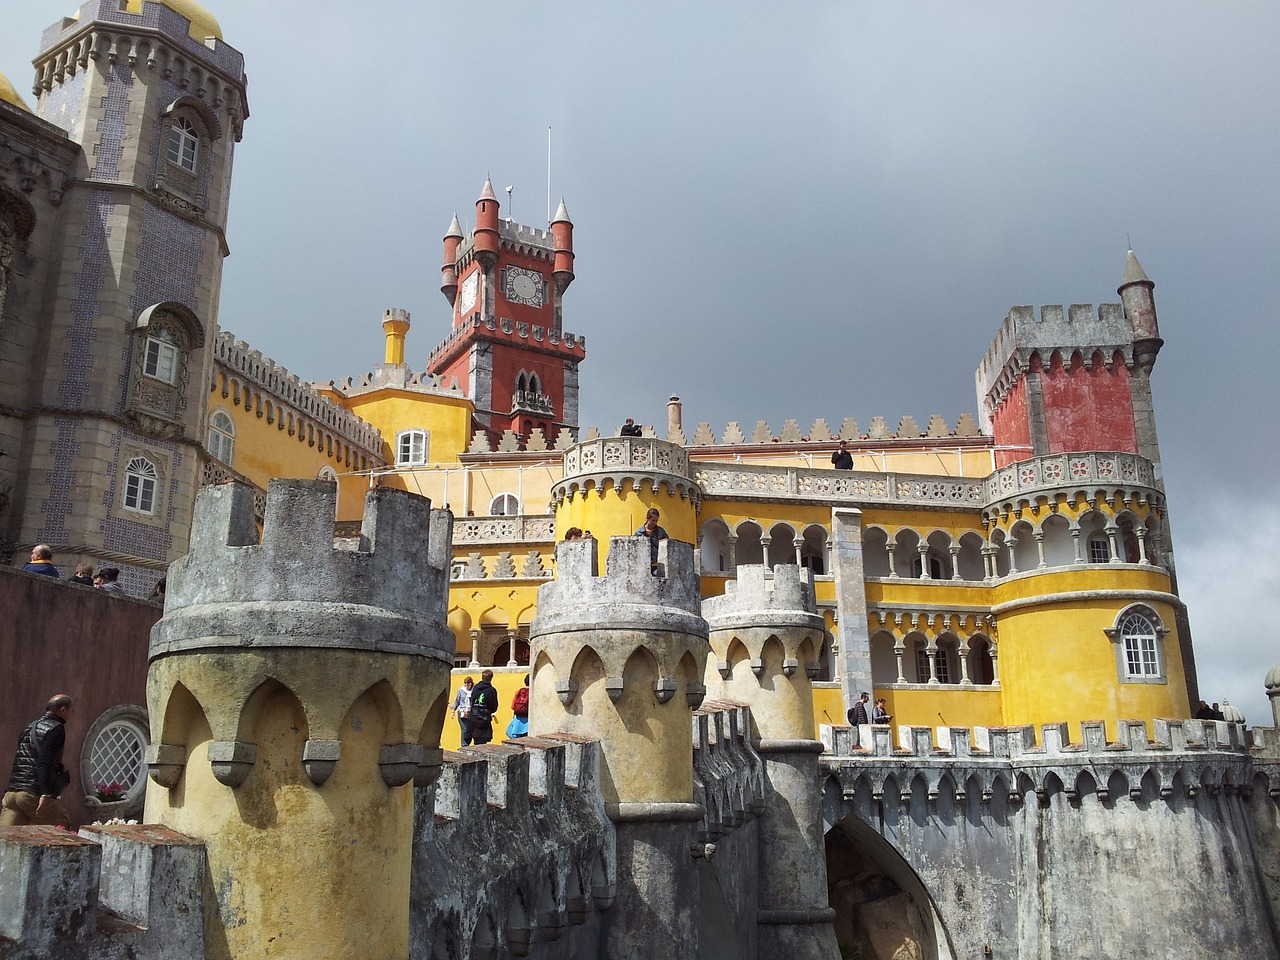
{"x":851,"y":598}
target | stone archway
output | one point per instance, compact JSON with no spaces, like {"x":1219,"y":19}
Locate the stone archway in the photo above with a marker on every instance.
{"x":883,"y":911}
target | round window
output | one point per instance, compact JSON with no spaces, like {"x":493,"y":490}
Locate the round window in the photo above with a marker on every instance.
{"x":113,"y":760}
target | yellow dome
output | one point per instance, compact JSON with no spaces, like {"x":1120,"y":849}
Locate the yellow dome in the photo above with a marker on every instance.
{"x":203,"y":23}
{"x":10,"y":95}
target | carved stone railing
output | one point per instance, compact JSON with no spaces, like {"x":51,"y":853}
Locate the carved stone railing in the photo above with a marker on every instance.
{"x":848,"y":486}
{"x":1066,"y":472}
{"x":592,"y":463}
{"x":517,"y":529}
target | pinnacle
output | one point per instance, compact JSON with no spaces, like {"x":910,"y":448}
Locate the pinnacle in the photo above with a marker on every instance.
{"x":562,"y":213}
{"x":455,"y":228}
{"x":1133,"y":272}
{"x":487,"y":192}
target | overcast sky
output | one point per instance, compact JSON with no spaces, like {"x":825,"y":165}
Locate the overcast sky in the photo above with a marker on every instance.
{"x":819,"y":209}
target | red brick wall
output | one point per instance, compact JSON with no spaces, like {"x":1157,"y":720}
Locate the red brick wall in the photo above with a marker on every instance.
{"x":57,"y":637}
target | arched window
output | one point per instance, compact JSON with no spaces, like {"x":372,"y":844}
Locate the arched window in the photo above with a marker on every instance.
{"x":411,"y":448}
{"x":184,"y":144}
{"x":327,"y":473}
{"x":1141,"y":650}
{"x":140,"y":481}
{"x":1138,"y":635}
{"x":505,"y":505}
{"x":222,"y":437}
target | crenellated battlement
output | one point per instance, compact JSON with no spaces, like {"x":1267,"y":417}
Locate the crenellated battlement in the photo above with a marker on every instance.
{"x":629,"y":596}
{"x":287,"y":590}
{"x":728,"y":774}
{"x":1185,"y":756}
{"x":765,"y":595}
{"x":518,"y":849}
{"x":111,"y":891}
{"x":1023,"y":333}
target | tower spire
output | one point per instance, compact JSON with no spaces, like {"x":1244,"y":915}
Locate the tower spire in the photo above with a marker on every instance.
{"x":1138,"y":298}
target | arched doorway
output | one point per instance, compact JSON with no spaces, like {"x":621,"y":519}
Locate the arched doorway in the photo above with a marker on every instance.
{"x":883,"y":911}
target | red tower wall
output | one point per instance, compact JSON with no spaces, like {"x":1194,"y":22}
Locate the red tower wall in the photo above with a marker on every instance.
{"x":1011,"y":427}
{"x":1088,"y":409}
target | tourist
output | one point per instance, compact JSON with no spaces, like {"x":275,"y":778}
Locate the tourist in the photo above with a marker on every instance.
{"x":41,"y":561}
{"x":842,"y":459}
{"x":462,"y":710}
{"x":84,"y":574}
{"x":484,"y":704}
{"x":630,"y":428}
{"x":38,"y":776}
{"x":858,"y":712}
{"x":654,"y":533}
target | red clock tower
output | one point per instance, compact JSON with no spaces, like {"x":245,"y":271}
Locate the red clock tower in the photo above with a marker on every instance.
{"x":507,"y":348}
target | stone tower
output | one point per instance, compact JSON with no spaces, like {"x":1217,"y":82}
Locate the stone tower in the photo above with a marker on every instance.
{"x":297,"y":691}
{"x":766,"y":637}
{"x":621,"y":658}
{"x":1079,"y":382}
{"x":111,"y":320}
{"x":507,"y":347}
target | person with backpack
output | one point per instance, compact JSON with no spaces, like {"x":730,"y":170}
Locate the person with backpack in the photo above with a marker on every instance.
{"x":38,"y":776}
{"x":484,"y":704}
{"x":519,"y":725}
{"x":858,"y":712}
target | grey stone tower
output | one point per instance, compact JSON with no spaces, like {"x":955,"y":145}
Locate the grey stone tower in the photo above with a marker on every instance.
{"x":766,"y":636}
{"x":112,"y":314}
{"x":621,"y":658}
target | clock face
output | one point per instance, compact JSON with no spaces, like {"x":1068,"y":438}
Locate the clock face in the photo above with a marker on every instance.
{"x":468,"y":299}
{"x":523,"y":286}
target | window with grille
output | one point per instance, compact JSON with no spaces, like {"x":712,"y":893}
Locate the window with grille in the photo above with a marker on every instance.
{"x":222,"y":437}
{"x":140,"y":482}
{"x":184,"y":144}
{"x":113,"y":757}
{"x":161,"y":361}
{"x":411,"y":448}
{"x":1141,"y":651}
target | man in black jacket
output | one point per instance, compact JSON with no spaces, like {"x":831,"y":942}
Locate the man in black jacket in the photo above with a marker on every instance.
{"x":484,"y":704}
{"x":38,"y":775}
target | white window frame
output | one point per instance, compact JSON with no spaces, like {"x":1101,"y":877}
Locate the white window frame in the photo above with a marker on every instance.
{"x":504,"y":505}
{"x":184,"y":144}
{"x":327,"y":473}
{"x":1138,"y":636}
{"x":141,"y":486}
{"x":162,"y":360}
{"x":221,"y":437}
{"x":1103,"y":553}
{"x":413,"y":448}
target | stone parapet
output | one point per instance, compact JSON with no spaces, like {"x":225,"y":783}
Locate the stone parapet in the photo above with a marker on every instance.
{"x":1079,"y":328}
{"x":113,"y":891}
{"x":611,"y":461}
{"x":729,"y":778}
{"x":516,"y":850}
{"x":1080,"y":476}
{"x":1185,"y":756}
{"x":851,"y":487}
{"x":628,"y":596}
{"x":232,"y":591}
{"x":242,"y":360}
{"x":761,"y":596}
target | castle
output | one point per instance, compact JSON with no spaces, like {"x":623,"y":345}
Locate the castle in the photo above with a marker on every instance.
{"x":690,"y":786}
